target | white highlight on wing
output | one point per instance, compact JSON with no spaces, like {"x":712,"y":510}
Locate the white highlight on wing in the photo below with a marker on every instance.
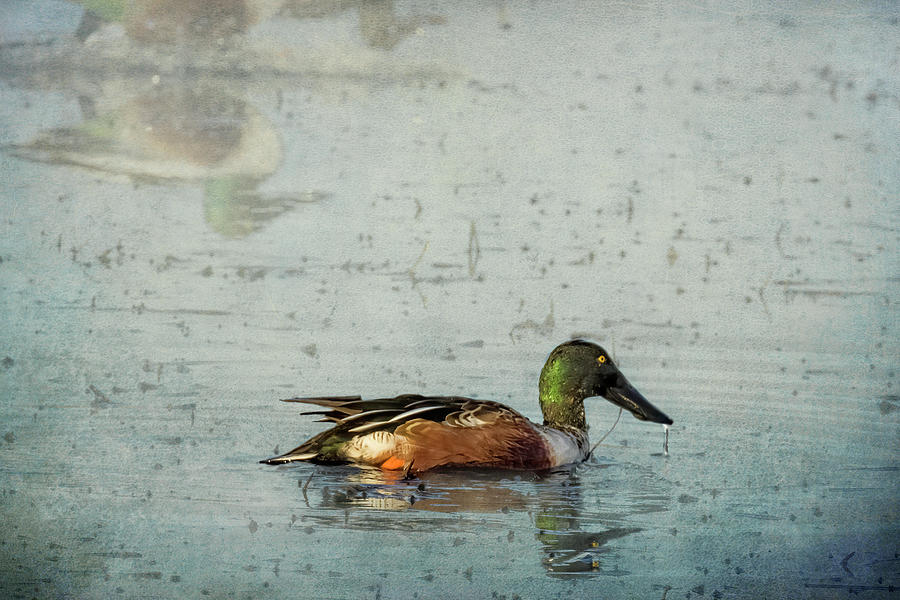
{"x":415,"y":411}
{"x":400,"y":417}
{"x":293,"y":457}
{"x":306,"y":456}
{"x":367,"y":413}
{"x":367,"y":427}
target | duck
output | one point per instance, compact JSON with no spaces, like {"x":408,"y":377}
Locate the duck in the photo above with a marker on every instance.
{"x":415,"y":433}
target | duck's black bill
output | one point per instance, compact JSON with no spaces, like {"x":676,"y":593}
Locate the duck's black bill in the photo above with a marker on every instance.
{"x":623,"y":394}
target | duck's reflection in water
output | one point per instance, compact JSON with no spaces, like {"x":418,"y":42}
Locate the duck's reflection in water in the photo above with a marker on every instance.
{"x":194,"y":22}
{"x":214,"y":23}
{"x":572,"y":542}
{"x":190,"y":133}
{"x":379,"y":24}
{"x":568,"y":548}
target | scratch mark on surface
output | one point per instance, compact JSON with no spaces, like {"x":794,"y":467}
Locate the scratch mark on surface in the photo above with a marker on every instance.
{"x":412,"y":274}
{"x":543,"y":329}
{"x":844,"y":563}
{"x":305,"y":486}
{"x":778,"y":245}
{"x":474,"y":249}
{"x":100,"y":399}
{"x":850,"y":588}
{"x":762,"y":297}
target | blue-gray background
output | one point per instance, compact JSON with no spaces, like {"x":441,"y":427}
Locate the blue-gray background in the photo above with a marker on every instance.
{"x":206,"y":210}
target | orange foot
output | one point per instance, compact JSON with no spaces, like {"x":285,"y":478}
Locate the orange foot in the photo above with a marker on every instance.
{"x":393,"y":464}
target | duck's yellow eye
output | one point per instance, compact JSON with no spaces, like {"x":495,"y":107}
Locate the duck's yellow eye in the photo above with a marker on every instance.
{"x":601,"y":359}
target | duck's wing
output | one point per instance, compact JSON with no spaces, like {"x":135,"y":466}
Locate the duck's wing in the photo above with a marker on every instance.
{"x":435,"y":430}
{"x":367,"y":415}
{"x":354,"y":416}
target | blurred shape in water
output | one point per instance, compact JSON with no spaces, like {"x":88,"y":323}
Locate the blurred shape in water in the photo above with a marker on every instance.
{"x":379,"y":24}
{"x":177,"y":21}
{"x":181,"y":134}
{"x":568,"y":549}
{"x":173,"y":132}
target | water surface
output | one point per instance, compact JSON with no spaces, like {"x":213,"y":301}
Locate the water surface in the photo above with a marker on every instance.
{"x":203,"y":213}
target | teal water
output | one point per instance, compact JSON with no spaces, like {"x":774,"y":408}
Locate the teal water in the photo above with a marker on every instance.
{"x":204,"y":212}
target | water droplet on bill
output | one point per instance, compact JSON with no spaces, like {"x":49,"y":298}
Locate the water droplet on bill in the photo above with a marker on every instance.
{"x":666,"y":442}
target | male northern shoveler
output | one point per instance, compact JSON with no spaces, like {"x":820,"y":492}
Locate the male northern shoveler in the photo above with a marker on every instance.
{"x":417,"y":433}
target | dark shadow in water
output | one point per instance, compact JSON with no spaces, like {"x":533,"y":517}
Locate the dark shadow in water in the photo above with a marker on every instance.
{"x":572,"y":541}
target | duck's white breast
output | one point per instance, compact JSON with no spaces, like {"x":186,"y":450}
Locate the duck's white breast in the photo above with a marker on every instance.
{"x":564,"y":447}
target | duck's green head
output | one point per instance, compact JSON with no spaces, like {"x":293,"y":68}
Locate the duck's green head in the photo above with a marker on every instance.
{"x":577,"y":370}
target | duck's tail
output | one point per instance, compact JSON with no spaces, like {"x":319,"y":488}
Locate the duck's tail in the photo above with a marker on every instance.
{"x":299,"y":453}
